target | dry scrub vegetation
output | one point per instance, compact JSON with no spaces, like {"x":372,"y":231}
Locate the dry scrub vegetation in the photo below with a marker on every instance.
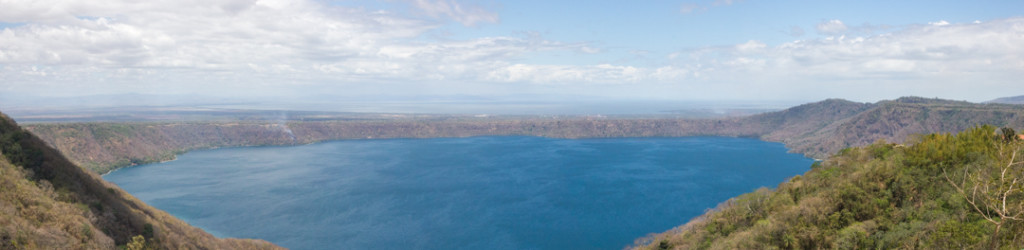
{"x":943,"y":191}
{"x":46,"y":202}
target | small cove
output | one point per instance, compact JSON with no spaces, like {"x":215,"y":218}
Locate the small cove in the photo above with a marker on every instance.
{"x":457,"y":193}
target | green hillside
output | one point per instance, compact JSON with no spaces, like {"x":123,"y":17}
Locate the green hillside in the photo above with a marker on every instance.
{"x":46,"y":202}
{"x":943,"y":191}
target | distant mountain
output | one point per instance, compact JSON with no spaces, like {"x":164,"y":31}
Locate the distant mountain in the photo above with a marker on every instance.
{"x":815,"y":129}
{"x":892,"y":121}
{"x":1008,"y":100}
{"x":46,"y":202}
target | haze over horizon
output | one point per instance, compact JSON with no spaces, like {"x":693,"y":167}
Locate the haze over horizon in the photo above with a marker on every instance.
{"x":351,"y":51}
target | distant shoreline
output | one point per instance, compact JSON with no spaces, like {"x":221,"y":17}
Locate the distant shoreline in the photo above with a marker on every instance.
{"x":815,"y":130}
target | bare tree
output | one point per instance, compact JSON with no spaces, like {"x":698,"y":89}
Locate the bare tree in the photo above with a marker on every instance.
{"x":996,"y":192}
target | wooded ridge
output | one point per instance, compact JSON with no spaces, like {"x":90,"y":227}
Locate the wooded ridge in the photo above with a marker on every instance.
{"x":815,"y":129}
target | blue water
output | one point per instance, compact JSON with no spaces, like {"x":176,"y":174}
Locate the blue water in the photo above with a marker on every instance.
{"x":459,"y":193}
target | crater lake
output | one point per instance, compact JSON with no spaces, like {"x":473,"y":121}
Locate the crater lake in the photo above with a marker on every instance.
{"x":459,"y":193}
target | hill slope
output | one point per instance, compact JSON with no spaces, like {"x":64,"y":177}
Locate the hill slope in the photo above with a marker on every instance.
{"x":943,"y":192}
{"x":815,"y":129}
{"x":895,"y":121}
{"x":1009,"y":100}
{"x":50,"y":203}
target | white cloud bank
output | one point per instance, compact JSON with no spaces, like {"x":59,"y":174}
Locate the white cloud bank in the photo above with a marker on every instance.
{"x":68,"y":47}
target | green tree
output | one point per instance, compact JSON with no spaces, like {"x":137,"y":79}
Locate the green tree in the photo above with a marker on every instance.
{"x":138,"y":243}
{"x":1009,"y":135}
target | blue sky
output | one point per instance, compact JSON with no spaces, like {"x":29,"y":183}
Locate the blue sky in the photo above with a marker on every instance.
{"x":621,"y":27}
{"x":597,"y":50}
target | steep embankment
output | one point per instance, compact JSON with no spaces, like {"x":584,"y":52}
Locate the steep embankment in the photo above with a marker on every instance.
{"x":814,"y":129}
{"x":32,"y":218}
{"x":49,"y":203}
{"x":943,"y":192}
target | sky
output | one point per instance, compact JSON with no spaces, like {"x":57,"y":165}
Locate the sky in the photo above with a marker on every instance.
{"x":492,"y":50}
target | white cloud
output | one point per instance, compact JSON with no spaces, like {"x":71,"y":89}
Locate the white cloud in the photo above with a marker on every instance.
{"x":590,"y":50}
{"x":918,"y":59}
{"x":187,"y":35}
{"x":236,"y":45}
{"x":467,"y":15}
{"x":831,"y":27}
{"x":750,"y":46}
{"x":247,"y":45}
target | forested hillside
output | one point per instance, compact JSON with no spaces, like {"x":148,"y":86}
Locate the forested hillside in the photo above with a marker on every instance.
{"x":815,"y":129}
{"x":943,"y":191}
{"x":893,"y":121}
{"x":46,"y":202}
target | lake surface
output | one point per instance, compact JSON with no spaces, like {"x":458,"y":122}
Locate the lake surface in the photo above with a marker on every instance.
{"x":459,"y":193}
